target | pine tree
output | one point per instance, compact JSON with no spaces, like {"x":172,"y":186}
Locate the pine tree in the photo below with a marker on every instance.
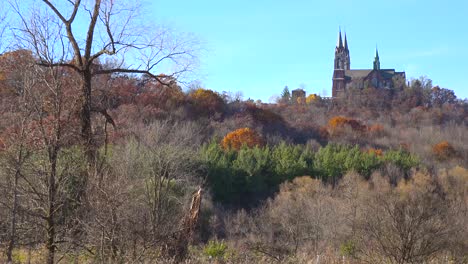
{"x":286,"y":95}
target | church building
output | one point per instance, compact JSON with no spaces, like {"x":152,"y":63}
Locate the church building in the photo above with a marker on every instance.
{"x":345,"y":78}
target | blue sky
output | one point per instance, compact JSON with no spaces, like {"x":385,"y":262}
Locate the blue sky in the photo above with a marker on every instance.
{"x":259,"y":46}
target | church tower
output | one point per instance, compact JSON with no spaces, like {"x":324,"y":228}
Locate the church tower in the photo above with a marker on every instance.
{"x":342,"y":63}
{"x":342,"y":60}
{"x":376,"y":60}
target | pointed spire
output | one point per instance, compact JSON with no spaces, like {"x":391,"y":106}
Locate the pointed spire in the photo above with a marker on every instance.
{"x":345,"y":42}
{"x":340,"y":41}
{"x":376,"y":60}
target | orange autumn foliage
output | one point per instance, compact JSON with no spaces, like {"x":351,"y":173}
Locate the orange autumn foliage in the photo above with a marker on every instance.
{"x":337,"y":123}
{"x":242,"y":136}
{"x":377,"y":152}
{"x":443,"y":150}
{"x":376,"y":130}
{"x":2,"y":145}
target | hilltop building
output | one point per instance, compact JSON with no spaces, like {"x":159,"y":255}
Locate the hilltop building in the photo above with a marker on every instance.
{"x":344,"y":77}
{"x":298,"y":93}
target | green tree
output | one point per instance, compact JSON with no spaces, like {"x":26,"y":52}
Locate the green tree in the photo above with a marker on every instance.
{"x":286,"y":95}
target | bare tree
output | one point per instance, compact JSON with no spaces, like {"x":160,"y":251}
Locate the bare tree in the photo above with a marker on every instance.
{"x":407,"y":224}
{"x":78,"y":34}
{"x":3,"y":27}
{"x":147,"y":185}
{"x":45,"y":181}
{"x":15,"y":67}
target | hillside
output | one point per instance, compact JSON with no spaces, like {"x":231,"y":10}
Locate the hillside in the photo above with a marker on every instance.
{"x":378,"y":175}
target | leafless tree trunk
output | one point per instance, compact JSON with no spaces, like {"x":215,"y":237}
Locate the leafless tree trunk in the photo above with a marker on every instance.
{"x":49,"y":112}
{"x":14,"y":209}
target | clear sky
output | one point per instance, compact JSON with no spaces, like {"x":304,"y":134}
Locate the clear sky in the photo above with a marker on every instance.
{"x":259,"y":46}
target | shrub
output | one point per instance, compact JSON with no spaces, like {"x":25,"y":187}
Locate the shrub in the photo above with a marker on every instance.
{"x":242,"y":136}
{"x":376,"y":130}
{"x":207,"y":102}
{"x":443,"y":150}
{"x":377,"y":152}
{"x":348,"y":248}
{"x":215,"y":249}
{"x":312,"y":98}
{"x":337,"y":124}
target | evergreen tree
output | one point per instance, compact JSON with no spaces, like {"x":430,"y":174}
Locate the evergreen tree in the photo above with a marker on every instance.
{"x":286,"y":95}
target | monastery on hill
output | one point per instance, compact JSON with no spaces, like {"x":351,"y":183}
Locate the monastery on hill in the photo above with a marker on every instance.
{"x":344,"y":77}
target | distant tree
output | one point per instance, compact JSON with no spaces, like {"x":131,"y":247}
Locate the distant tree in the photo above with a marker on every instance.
{"x":207,"y":102}
{"x":285,"y":95}
{"x":407,"y":224}
{"x":44,"y":166}
{"x":440,"y":96}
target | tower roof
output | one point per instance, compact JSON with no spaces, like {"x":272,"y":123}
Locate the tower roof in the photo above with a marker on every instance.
{"x":345,"y":42}
{"x":339,"y":44}
{"x":376,"y":60}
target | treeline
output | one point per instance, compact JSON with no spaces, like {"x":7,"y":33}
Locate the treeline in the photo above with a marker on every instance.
{"x":243,"y":177}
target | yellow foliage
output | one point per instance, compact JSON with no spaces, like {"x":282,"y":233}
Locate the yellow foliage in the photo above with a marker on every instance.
{"x":207,"y":101}
{"x":312,"y":98}
{"x":455,"y":183}
{"x":304,"y":184}
{"x":241,"y":136}
{"x":419,"y":183}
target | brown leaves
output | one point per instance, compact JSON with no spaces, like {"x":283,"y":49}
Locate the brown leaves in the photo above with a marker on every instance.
{"x":444,"y":150}
{"x":337,"y":125}
{"x":206,"y":102}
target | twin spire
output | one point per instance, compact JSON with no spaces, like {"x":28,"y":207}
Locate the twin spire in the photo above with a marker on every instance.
{"x":340,"y":45}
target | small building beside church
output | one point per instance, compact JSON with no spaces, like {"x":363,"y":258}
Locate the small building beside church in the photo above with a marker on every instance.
{"x":298,"y":93}
{"x":345,"y":78}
